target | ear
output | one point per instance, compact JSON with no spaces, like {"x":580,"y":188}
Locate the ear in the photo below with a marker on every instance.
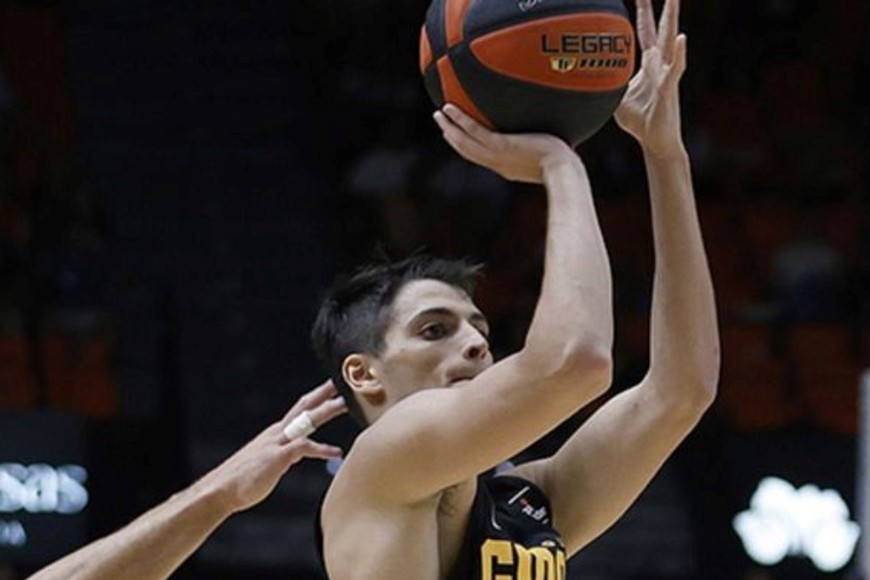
{"x":359,"y":374}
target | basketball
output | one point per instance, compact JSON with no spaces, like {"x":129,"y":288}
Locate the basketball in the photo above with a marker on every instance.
{"x":517,"y":66}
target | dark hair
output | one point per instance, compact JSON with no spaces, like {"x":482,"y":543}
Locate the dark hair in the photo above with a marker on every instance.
{"x":356,"y":311}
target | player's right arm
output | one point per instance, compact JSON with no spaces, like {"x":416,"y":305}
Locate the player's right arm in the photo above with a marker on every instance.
{"x":439,"y":437}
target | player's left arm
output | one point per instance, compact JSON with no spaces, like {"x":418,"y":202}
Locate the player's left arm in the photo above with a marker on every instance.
{"x":602,"y":468}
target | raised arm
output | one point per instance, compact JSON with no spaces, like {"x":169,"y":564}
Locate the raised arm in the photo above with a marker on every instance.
{"x":574,"y":314}
{"x":159,"y":541}
{"x":438,"y":437}
{"x":603,"y":467}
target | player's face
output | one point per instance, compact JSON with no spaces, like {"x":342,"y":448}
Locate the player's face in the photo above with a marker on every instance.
{"x":436,"y":338}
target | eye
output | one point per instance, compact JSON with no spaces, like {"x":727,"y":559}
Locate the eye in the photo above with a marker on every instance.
{"x":434,"y":331}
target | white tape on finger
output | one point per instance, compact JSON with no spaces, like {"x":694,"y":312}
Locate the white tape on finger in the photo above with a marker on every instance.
{"x":301,"y":426}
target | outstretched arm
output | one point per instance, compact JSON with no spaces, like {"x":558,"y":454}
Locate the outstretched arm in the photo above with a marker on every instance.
{"x":156,"y":543}
{"x":603,"y":467}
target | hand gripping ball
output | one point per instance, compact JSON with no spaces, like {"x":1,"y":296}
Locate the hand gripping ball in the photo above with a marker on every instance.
{"x":553,"y":66}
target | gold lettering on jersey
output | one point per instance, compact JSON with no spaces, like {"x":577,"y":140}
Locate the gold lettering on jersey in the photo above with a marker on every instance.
{"x":505,"y":560}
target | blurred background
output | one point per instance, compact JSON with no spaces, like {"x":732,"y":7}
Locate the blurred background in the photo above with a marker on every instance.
{"x":180,"y":181}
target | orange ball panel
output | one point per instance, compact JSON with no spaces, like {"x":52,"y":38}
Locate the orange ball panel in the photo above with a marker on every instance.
{"x":588,"y":52}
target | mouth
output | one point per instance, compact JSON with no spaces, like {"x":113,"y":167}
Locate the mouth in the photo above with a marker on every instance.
{"x":464,"y":374}
{"x":453,"y":381}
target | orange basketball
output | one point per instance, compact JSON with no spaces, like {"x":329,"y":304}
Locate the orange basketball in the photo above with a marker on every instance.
{"x":555,"y":66}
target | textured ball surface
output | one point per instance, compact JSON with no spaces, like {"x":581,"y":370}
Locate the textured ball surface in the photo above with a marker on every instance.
{"x":554,"y":66}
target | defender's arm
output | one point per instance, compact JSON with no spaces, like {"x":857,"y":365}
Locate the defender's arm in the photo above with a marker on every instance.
{"x":159,"y":541}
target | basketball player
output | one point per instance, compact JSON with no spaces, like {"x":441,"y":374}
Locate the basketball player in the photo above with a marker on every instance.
{"x":159,"y":541}
{"x":408,"y":349}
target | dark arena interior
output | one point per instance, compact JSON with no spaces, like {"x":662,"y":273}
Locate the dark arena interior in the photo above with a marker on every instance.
{"x":180,"y":182}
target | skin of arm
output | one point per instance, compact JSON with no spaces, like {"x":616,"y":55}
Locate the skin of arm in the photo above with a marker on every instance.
{"x":604,"y":466}
{"x":159,"y":541}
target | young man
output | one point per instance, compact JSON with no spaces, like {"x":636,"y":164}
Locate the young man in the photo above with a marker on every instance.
{"x":159,"y":541}
{"x":408,"y":349}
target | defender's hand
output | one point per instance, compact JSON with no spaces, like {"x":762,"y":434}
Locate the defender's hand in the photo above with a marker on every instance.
{"x":249,"y":475}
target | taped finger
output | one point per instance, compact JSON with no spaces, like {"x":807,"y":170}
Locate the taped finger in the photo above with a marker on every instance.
{"x":301,"y":426}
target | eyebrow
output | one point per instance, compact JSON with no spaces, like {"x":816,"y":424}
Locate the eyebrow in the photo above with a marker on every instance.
{"x":476,"y":317}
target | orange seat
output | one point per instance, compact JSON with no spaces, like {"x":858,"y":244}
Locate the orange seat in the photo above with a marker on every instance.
{"x":79,"y":375}
{"x":821,"y":344}
{"x":826,"y":371}
{"x":768,"y":224}
{"x":831,"y":397}
{"x":735,"y":278}
{"x":56,"y":368}
{"x":17,"y":381}
{"x":753,"y":393}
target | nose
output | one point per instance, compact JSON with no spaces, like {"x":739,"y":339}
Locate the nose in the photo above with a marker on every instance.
{"x":476,"y":347}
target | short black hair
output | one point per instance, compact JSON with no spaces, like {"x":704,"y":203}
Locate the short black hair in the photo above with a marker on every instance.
{"x":356,"y":311}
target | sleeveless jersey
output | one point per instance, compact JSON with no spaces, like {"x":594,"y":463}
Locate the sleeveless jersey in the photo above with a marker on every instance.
{"x":508,"y":537}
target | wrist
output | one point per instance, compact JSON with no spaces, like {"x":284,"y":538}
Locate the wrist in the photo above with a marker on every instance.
{"x":558,"y":157}
{"x":673,"y":153}
{"x":214,"y":498}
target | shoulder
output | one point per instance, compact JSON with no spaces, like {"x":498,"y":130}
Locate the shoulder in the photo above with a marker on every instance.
{"x":401,"y":429}
{"x":384,"y":457}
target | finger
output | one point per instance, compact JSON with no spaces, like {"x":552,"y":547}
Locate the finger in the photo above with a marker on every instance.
{"x":320,"y":393}
{"x":468,"y":124}
{"x":312,"y":398}
{"x":668,"y":29}
{"x":674,"y":70}
{"x":467,"y":147}
{"x":301,"y":426}
{"x":646,"y":24}
{"x":327,"y":411}
{"x":679,"y":66}
{"x":308,"y":421}
{"x":444,"y":122}
{"x":315,"y":450}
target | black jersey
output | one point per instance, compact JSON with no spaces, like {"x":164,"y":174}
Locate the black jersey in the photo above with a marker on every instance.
{"x":509,"y":535}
